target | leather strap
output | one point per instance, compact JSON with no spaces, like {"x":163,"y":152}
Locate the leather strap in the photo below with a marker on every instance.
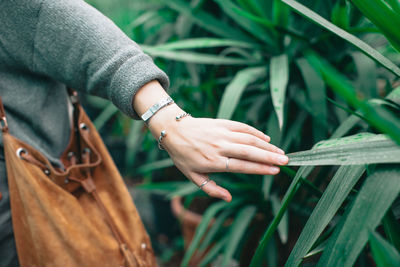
{"x":3,"y":126}
{"x":3,"y":119}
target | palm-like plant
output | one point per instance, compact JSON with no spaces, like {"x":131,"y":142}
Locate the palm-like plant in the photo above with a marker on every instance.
{"x":302,"y":74}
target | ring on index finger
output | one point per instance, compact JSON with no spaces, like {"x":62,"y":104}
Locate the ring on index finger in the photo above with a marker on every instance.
{"x":227,"y":164}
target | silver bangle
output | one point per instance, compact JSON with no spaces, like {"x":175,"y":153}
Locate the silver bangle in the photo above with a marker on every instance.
{"x":162,"y":135}
{"x":156,"y":107}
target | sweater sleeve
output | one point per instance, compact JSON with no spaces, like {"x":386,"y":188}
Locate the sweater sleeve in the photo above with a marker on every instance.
{"x":72,"y":42}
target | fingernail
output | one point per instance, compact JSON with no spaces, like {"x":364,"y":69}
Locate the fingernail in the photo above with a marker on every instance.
{"x":267,"y":138}
{"x":227,"y":198}
{"x":280,"y":151}
{"x":275,"y":169}
{"x":283,"y":159}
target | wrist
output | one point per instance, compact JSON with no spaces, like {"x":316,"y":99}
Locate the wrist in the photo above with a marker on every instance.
{"x":164,"y":119}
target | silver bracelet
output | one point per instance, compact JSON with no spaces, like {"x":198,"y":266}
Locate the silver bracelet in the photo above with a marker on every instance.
{"x":177,"y":118}
{"x":162,"y":135}
{"x":156,"y":107}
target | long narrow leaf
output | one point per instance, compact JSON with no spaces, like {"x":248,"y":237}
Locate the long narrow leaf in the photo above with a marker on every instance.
{"x":279,"y":77}
{"x":283,"y":227}
{"x":385,"y":18}
{"x":237,"y":231}
{"x":385,"y":255}
{"x":199,"y":58}
{"x":336,"y":192}
{"x":290,"y":193}
{"x":254,"y":28}
{"x":235,"y":88}
{"x":105,"y":115}
{"x":363,"y":148}
{"x":373,"y":200}
{"x":197,"y":43}
{"x":364,"y":47}
{"x":377,"y":117}
{"x":317,"y":93}
{"x":201,"y":229}
{"x":392,"y":229}
{"x":207,"y":21}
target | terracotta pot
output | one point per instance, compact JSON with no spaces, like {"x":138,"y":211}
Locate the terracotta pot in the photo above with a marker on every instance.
{"x":189,"y":222}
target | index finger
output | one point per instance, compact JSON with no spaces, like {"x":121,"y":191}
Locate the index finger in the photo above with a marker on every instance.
{"x":236,"y":126}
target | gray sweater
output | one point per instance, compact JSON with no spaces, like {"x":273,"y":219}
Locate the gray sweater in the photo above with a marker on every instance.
{"x":48,"y":44}
{"x":44,"y":46}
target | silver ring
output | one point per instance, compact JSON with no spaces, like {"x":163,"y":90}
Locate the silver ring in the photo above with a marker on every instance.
{"x":204,"y":183}
{"x":227,"y":164}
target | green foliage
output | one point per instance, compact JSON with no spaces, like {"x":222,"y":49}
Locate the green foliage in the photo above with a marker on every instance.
{"x":319,"y":77}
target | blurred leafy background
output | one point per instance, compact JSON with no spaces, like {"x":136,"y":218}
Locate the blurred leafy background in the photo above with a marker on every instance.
{"x":302,"y":72}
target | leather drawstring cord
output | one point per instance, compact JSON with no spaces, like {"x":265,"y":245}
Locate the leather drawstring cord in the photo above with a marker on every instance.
{"x":23,"y":154}
{"x":90,"y":187}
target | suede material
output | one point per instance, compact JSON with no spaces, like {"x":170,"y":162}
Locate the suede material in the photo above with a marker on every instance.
{"x":54,"y":227}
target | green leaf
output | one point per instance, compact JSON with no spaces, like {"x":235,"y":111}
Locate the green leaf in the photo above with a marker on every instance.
{"x":207,"y":21}
{"x":250,"y":6}
{"x":378,"y":117}
{"x":373,"y":200}
{"x":212,"y":254}
{"x":202,"y":228}
{"x":279,"y":77}
{"x":199,"y":58}
{"x":214,"y":229}
{"x":317,"y":94}
{"x":283,"y":227}
{"x":155,"y":165}
{"x":294,"y":186}
{"x":392,"y":229}
{"x":385,"y":18}
{"x":336,"y":192}
{"x":366,"y":75}
{"x":395,"y":5}
{"x":266,"y":185}
{"x":235,"y":88}
{"x":198,"y":43}
{"x":385,"y":255}
{"x":162,"y":187}
{"x":364,"y":47}
{"x":237,"y":230}
{"x":280,"y":14}
{"x":133,"y":141}
{"x":183,"y":190}
{"x":341,"y":14}
{"x":255,"y":29}
{"x":362,"y":148}
{"x":105,"y":115}
{"x":346,"y":126}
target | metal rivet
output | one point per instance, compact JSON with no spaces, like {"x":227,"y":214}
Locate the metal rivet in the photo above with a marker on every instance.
{"x":83,"y":126}
{"x":86,"y":150}
{"x":21,"y":151}
{"x":70,"y":154}
{"x":66,"y":181}
{"x":143,"y":245}
{"x":46,"y":171}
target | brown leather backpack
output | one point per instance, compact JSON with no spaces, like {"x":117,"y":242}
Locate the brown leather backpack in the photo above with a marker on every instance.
{"x":79,"y":216}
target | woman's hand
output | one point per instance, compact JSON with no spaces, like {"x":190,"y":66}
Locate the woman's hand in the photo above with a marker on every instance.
{"x":200,"y":146}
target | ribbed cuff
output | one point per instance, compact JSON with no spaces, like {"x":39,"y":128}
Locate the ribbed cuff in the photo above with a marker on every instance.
{"x":130,"y":77}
